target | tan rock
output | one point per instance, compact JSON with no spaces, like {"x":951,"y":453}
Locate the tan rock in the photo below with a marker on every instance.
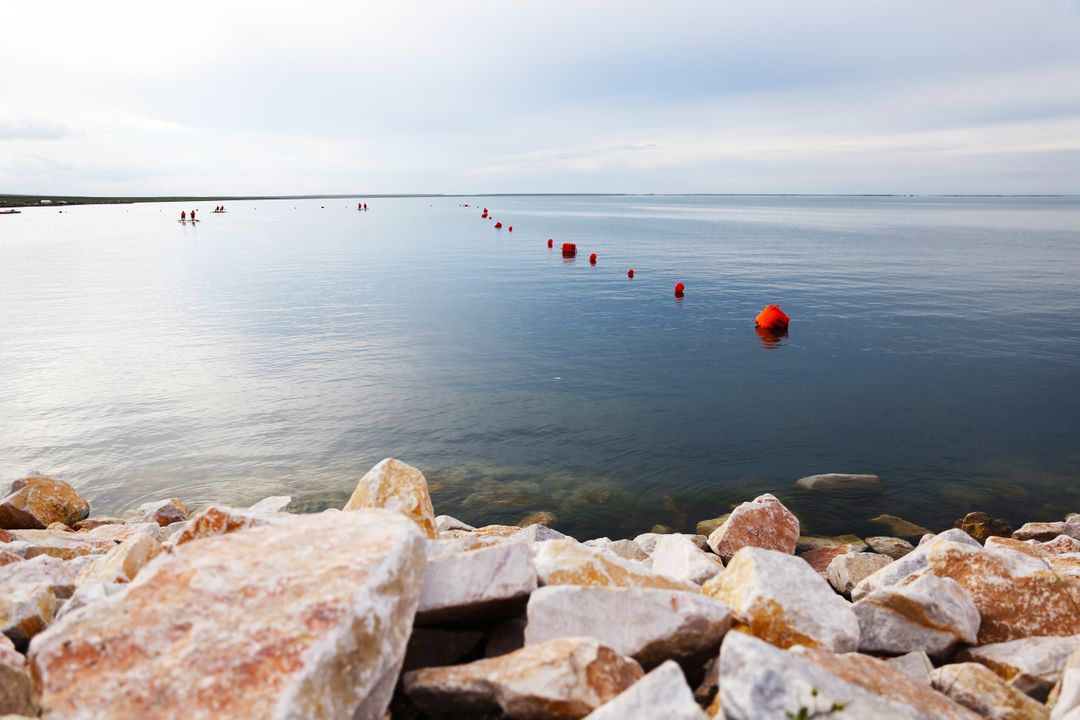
{"x":504,"y":531}
{"x":565,"y":678}
{"x":847,"y":571}
{"x":916,"y":664}
{"x":831,"y":482}
{"x":764,"y":523}
{"x":120,"y":533}
{"x":980,"y":526}
{"x":304,"y":618}
{"x":626,"y":549}
{"x":1045,"y":531}
{"x":651,"y":625}
{"x":925,"y":613}
{"x":122,"y":563}
{"x":37,"y":501}
{"x":706,"y":527}
{"x":396,"y":486}
{"x":31,"y":593}
{"x":813,"y":542}
{"x":678,"y":557}
{"x":16,"y":688}
{"x":894,"y":547}
{"x":485,"y":583}
{"x":780,"y":599}
{"x":1031,"y":665}
{"x":979,"y":689}
{"x":568,"y":562}
{"x":162,"y":512}
{"x":663,"y":693}
{"x":899,"y":526}
{"x":540,"y":517}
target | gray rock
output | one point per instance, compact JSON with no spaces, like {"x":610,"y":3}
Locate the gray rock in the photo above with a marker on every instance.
{"x":807,"y":543}
{"x":839,"y":481}
{"x":627,"y":549}
{"x":445,"y":523}
{"x":482,"y":583}
{"x":847,"y":571}
{"x":914,"y":561}
{"x":929,"y":614}
{"x":894,"y":547}
{"x":1032,"y":665}
{"x":537,"y":533}
{"x":976,"y":687}
{"x":916,"y":664}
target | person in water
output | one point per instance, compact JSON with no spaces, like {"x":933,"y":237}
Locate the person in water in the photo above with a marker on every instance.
{"x":183,"y":215}
{"x":192,"y":216}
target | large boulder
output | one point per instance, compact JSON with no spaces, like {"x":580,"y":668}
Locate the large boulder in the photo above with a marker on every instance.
{"x":928,"y":613}
{"x":31,"y":593}
{"x":396,"y":486}
{"x":37,"y":501}
{"x":649,"y":624}
{"x":899,"y":526}
{"x":568,"y":562}
{"x":483,"y":583}
{"x":679,"y":557}
{"x":780,"y":599}
{"x":762,"y":682}
{"x":561,"y":679}
{"x":16,"y":688}
{"x":979,"y":689}
{"x":663,"y":693}
{"x":763,"y":522}
{"x":910,"y":563}
{"x":307,"y":617}
{"x":1031,"y":665}
{"x":846,"y":571}
{"x":162,"y":512}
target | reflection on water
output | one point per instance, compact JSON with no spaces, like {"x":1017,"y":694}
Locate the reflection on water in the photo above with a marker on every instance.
{"x":286,"y":348}
{"x":770,"y":338}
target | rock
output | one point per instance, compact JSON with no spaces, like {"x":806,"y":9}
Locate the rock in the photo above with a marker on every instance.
{"x":272,"y":504}
{"x":891,"y":546}
{"x":31,"y":593}
{"x":446,"y":523}
{"x":678,"y":557}
{"x":537,"y":533}
{"x":490,"y":582}
{"x":848,"y":570}
{"x":821,"y":557}
{"x":542,"y":517}
{"x":120,"y":533}
{"x":7,"y":557}
{"x":565,"y":678}
{"x":1031,"y":665}
{"x":16,"y":688}
{"x":780,"y":599}
{"x":706,"y":527}
{"x":813,"y":542}
{"x":648,"y":624}
{"x":37,"y":501}
{"x":647,"y":541}
{"x":217,"y":520}
{"x":928,"y":614}
{"x":1060,"y":545}
{"x":506,"y":637}
{"x":88,"y":593}
{"x":5,"y":536}
{"x":96,"y":522}
{"x":1017,"y":595}
{"x":764,"y":523}
{"x":122,"y":563}
{"x":396,"y":486}
{"x":434,"y":647}
{"x":914,"y":561}
{"x":60,"y":545}
{"x":979,"y":689}
{"x":839,"y":481}
{"x":162,"y":512}
{"x":465,"y":543}
{"x":663,"y":693}
{"x":661,"y":529}
{"x":305,"y":617}
{"x":761,"y":682}
{"x":899,"y":526}
{"x":503,"y":531}
{"x":916,"y":664}
{"x":568,"y":562}
{"x":1044,"y":531}
{"x":1065,"y":697}
{"x":980,"y":526}
{"x":626,"y":549}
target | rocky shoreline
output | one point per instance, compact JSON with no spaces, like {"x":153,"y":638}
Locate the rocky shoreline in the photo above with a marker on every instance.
{"x":385,"y":610}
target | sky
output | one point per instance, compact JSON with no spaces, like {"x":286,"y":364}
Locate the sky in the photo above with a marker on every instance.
{"x":365,"y":97}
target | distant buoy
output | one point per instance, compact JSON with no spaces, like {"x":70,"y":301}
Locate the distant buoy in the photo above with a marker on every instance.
{"x":679,"y":289}
{"x":569,"y":250}
{"x":630,"y":273}
{"x":498,"y":226}
{"x":550,"y":242}
{"x":772,"y":318}
{"x":592,"y":259}
{"x":510,"y":228}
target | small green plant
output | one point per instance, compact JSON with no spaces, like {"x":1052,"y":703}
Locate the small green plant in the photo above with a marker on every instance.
{"x":805,"y":713}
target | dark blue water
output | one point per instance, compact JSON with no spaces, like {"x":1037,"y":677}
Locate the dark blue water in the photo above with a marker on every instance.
{"x":287,"y":347}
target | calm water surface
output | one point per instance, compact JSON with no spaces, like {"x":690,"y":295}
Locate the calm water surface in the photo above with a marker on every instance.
{"x":285,"y":348}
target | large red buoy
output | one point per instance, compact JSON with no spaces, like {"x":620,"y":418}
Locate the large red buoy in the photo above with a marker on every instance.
{"x":498,"y":226}
{"x":772,"y":318}
{"x":569,"y":250}
{"x":679,"y":289}
{"x":630,"y":273}
{"x":550,"y":242}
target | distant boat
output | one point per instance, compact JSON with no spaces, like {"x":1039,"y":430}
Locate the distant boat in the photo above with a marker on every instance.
{"x":10,"y":212}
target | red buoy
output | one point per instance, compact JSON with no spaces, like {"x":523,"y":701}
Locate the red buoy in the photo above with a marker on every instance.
{"x":550,"y":242}
{"x":679,"y":289}
{"x":592,"y":259}
{"x":498,"y":226}
{"x":630,"y":273}
{"x":510,"y":229}
{"x":569,"y":250}
{"x":772,"y":318}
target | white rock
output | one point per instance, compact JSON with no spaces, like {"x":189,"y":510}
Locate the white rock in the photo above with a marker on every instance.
{"x":916,"y":664}
{"x":446,"y":523}
{"x":488,"y":582}
{"x":568,"y":562}
{"x":1068,"y":689}
{"x":647,"y":541}
{"x":651,"y":625}
{"x":272,"y":504}
{"x":914,"y":561}
{"x":839,"y":481}
{"x":121,"y":564}
{"x":537,"y":533}
{"x":663,"y":693}
{"x":627,"y":549}
{"x":1032,"y":665}
{"x":929,"y":614}
{"x":678,"y":557}
{"x":31,"y":592}
{"x":848,"y":570}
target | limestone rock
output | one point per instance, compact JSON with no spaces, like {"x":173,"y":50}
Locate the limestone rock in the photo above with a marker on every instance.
{"x":37,"y":501}
{"x":895,"y":548}
{"x":16,"y":687}
{"x":396,"y":486}
{"x":304,"y":618}
{"x":763,"y":523}
{"x":536,"y":533}
{"x":820,"y":558}
{"x":1044,"y":531}
{"x":122,"y":563}
{"x":1060,"y":545}
{"x":88,"y":593}
{"x":651,"y":625}
{"x":217,"y":520}
{"x":676,"y":556}
{"x":813,"y":542}
{"x":847,"y":571}
{"x":272,"y":504}
{"x":568,"y":562}
{"x":120,"y":533}
{"x":899,"y":526}
{"x":916,"y":664}
{"x":496,"y":531}
{"x":446,"y":523}
{"x":1065,"y":697}
{"x":980,"y":526}
{"x":162,"y":512}
{"x":626,"y":549}
{"x":59,"y":545}
{"x":780,"y":599}
{"x":1031,"y":665}
{"x":436,"y":647}
{"x":565,"y":678}
{"x":465,"y":543}
{"x":647,"y":541}
{"x":31,"y":593}
{"x":979,"y":689}
{"x":706,"y":527}
{"x":663,"y":693}
{"x":762,"y":682}
{"x":7,"y":557}
{"x":839,"y":481}
{"x":913,"y":562}
{"x":541,"y":517}
{"x":96,"y":522}
{"x":488,"y":582}
{"x":929,"y":614}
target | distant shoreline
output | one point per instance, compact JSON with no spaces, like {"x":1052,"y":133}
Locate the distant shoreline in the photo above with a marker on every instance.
{"x":38,"y":200}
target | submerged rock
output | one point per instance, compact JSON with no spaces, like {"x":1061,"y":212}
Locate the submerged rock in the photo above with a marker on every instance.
{"x":663,"y":693}
{"x":899,"y":526}
{"x":394,"y":485}
{"x":980,"y":526}
{"x":813,"y":542}
{"x":706,"y":527}
{"x":307,"y":617}
{"x":763,"y":523}
{"x":928,"y":614}
{"x":979,"y":689}
{"x":540,"y":517}
{"x":37,"y":501}
{"x":839,"y":481}
{"x":891,"y":546}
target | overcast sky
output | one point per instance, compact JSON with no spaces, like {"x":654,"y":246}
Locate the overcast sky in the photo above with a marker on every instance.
{"x":859,"y":96}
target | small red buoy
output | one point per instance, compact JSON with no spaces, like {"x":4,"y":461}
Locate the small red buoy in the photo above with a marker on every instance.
{"x":772,"y":318}
{"x":510,"y":229}
{"x":592,"y":259}
{"x":569,"y":250}
{"x":630,"y":273}
{"x":550,"y":242}
{"x":679,"y":289}
{"x":498,"y":226}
